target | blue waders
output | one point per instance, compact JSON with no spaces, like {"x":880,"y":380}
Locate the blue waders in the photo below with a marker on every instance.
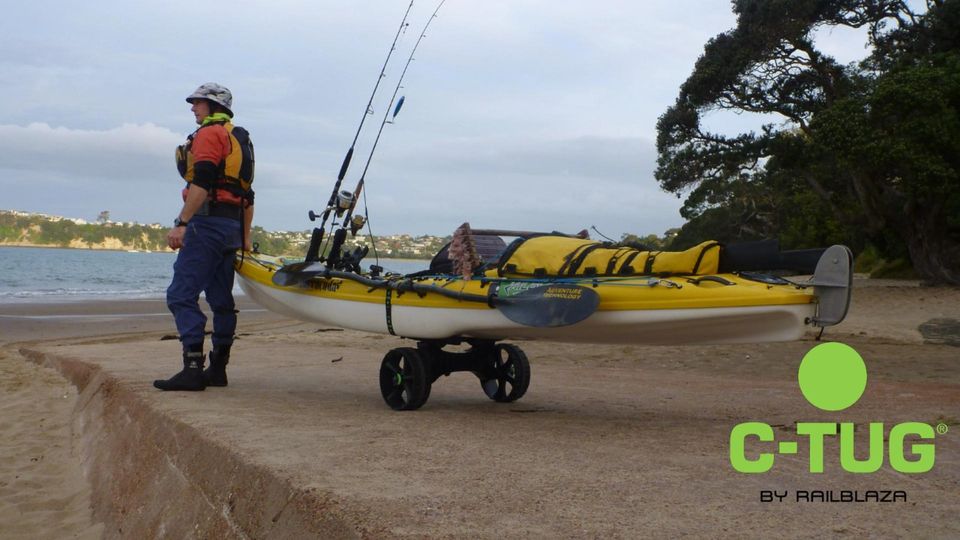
{"x":204,"y":264}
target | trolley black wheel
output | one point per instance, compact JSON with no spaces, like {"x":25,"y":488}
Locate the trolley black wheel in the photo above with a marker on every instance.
{"x":403,"y":379}
{"x":508,"y":374}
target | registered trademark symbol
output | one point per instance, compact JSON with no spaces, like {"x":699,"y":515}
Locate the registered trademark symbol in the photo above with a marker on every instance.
{"x":942,"y":428}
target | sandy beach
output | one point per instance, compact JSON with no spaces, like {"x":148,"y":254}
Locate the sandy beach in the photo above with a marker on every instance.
{"x":610,"y":441}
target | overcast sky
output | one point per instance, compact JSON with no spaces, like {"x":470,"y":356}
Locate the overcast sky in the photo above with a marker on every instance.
{"x":527,"y":114}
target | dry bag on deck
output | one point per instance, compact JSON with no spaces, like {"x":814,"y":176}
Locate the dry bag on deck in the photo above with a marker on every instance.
{"x":548,"y":256}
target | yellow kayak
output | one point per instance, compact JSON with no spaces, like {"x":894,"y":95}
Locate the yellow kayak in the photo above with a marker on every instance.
{"x":511,"y":301}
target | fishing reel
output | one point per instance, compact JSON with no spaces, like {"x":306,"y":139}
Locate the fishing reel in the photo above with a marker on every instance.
{"x":344,"y":202}
{"x":356,"y":223}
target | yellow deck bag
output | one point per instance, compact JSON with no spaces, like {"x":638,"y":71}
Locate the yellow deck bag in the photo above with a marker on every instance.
{"x":562,"y":256}
{"x":701,"y":259}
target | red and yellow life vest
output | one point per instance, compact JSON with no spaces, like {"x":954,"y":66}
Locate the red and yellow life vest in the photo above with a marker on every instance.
{"x":235,"y":165}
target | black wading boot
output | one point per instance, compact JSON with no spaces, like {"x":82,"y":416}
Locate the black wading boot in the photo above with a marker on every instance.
{"x":191,"y":378}
{"x":216,"y":374}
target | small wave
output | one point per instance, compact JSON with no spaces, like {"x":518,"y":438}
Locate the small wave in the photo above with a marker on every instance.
{"x":77,"y":294}
{"x":74,"y":295}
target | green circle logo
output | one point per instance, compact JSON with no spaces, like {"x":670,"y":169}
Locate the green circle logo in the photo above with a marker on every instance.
{"x":832,"y":376}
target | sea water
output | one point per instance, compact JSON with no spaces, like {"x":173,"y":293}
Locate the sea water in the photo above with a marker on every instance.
{"x":64,"y":275}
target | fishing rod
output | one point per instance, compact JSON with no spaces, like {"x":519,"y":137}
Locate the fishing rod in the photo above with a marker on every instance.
{"x":348,"y":220}
{"x":317,"y":238}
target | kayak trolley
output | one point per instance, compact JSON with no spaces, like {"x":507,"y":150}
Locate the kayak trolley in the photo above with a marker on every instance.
{"x":408,"y":373}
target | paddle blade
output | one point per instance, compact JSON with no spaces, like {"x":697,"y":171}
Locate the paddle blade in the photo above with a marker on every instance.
{"x":296,"y":273}
{"x":546,"y":306}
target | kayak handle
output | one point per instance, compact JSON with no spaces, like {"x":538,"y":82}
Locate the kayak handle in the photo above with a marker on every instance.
{"x":715,"y":279}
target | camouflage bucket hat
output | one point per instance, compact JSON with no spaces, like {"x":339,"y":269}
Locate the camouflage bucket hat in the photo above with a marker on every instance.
{"x":215,"y":93}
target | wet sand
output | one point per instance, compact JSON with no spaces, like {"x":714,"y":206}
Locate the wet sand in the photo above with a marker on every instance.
{"x":610,"y":441}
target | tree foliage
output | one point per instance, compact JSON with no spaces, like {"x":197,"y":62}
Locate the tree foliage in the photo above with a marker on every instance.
{"x":861,"y":154}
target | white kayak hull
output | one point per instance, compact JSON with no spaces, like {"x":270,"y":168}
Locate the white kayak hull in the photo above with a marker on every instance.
{"x":708,"y":325}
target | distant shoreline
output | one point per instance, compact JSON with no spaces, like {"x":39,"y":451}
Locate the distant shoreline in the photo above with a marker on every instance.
{"x":22,"y":229}
{"x":47,"y":246}
{"x":89,"y":248}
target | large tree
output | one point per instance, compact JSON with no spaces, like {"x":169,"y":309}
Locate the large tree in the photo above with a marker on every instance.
{"x":865,"y":153}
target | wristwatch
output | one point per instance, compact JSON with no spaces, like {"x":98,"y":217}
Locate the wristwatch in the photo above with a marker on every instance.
{"x":179,"y":222}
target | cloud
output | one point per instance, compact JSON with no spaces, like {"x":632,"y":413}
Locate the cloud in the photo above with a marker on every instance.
{"x":564,"y":183}
{"x":537,"y":113}
{"x":130,"y":152}
{"x":127,"y":169}
{"x":523,"y":202}
{"x":608,"y":159}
